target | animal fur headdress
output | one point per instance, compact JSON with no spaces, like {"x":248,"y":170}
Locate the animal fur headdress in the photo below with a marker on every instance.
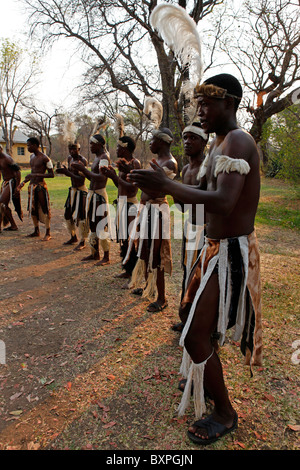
{"x":220,"y":86}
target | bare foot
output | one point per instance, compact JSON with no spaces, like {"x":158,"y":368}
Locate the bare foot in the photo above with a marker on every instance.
{"x":123,"y":275}
{"x":46,"y":238}
{"x":34,"y":234}
{"x":91,"y":258}
{"x":71,"y":241}
{"x":80,"y":246}
{"x":103,"y":262}
{"x":11,"y":229}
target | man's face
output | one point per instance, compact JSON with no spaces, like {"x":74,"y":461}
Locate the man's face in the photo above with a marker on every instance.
{"x":74,"y":152}
{"x":193,"y":144}
{"x":31,"y":147}
{"x":154,"y":145}
{"x":94,"y":147}
{"x":210,"y":112}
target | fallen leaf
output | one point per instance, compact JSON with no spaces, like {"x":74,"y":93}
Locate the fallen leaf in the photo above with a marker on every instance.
{"x":16,"y":412}
{"x":294,"y":427}
{"x":109,"y":425}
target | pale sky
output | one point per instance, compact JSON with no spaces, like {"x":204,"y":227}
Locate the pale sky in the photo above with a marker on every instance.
{"x":61,"y":68}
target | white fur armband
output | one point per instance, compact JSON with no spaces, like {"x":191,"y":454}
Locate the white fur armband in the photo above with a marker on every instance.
{"x":170,"y":174}
{"x":225,"y":164}
{"x":49,"y":165}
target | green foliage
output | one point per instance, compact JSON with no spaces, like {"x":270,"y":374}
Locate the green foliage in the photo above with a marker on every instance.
{"x":281,"y":141}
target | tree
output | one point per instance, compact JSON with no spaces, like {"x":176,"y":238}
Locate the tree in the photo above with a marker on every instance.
{"x":281,"y":137}
{"x":39,"y":122}
{"x":266,"y":54}
{"x":117,"y":42}
{"x":16,"y":83}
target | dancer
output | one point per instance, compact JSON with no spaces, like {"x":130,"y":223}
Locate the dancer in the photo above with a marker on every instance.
{"x":194,"y":141}
{"x":154,"y":242}
{"x":75,"y":215}
{"x":38,"y":196}
{"x":224,"y":291}
{"x":127,"y":200}
{"x":97,"y":210}
{"x":11,"y":175}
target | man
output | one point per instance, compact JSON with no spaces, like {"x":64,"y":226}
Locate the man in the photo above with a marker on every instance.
{"x":76,"y":200}
{"x":224,"y":290}
{"x":154,"y":243}
{"x":194,"y":142}
{"x":38,"y":196}
{"x":127,"y":200}
{"x":97,"y":201}
{"x":11,"y":179}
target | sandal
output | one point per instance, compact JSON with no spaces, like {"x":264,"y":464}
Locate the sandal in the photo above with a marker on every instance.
{"x":178,"y":326}
{"x":137,"y":291}
{"x":212,"y":428}
{"x":156,"y":307}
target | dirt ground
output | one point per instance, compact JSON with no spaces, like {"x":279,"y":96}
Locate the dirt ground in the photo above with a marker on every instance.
{"x":87,"y":367}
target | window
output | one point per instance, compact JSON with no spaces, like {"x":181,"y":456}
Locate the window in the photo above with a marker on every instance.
{"x":21,"y":151}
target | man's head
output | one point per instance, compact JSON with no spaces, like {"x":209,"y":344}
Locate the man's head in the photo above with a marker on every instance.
{"x":97,"y":142}
{"x":126,"y":147}
{"x":161,"y":138}
{"x":194,"y":139}
{"x":218,"y":100}
{"x":74,"y":149}
{"x":33,"y":144}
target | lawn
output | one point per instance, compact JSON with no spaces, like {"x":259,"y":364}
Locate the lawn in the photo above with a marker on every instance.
{"x":89,"y":368}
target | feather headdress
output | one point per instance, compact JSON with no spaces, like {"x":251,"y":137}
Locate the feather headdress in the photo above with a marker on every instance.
{"x":69,"y":131}
{"x":179,"y":32}
{"x":100,"y":125}
{"x":119,"y":125}
{"x":153,"y":110}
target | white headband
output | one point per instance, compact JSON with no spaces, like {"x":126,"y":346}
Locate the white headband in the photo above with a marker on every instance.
{"x":195,"y":130}
{"x":162,"y":136}
{"x":122,"y":144}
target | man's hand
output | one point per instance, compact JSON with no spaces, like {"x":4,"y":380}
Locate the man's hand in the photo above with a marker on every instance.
{"x":78,"y":166}
{"x":149,"y":181}
{"x":108,"y":171}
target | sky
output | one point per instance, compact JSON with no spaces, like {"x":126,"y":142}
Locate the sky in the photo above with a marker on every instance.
{"x":61,"y":69}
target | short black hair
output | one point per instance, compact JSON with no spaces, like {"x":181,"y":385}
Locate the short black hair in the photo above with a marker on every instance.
{"x":100,"y":138}
{"x":129,"y":141}
{"x":229,"y":83}
{"x":34,"y":141}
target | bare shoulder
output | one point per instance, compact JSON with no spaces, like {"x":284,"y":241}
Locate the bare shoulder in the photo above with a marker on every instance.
{"x":83,"y":160}
{"x":136,"y":163}
{"x":240,"y":144}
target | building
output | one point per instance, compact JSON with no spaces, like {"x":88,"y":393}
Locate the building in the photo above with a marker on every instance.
{"x":20,"y":153}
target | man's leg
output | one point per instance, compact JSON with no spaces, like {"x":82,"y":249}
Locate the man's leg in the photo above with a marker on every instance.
{"x":6,"y":211}
{"x":72,"y":231}
{"x":199,"y":346}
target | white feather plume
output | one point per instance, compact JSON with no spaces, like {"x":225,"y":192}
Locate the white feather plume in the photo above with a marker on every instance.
{"x":179,"y":32}
{"x":153,"y":110}
{"x":69,"y":131}
{"x":119,"y":125}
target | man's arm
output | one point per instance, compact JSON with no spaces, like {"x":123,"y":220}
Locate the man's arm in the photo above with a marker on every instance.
{"x":220,"y":201}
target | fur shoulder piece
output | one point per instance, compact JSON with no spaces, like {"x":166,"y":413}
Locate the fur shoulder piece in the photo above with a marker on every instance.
{"x":202,"y":169}
{"x":225,"y":164}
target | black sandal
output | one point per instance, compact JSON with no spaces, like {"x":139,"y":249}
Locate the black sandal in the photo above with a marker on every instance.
{"x":212,"y":428}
